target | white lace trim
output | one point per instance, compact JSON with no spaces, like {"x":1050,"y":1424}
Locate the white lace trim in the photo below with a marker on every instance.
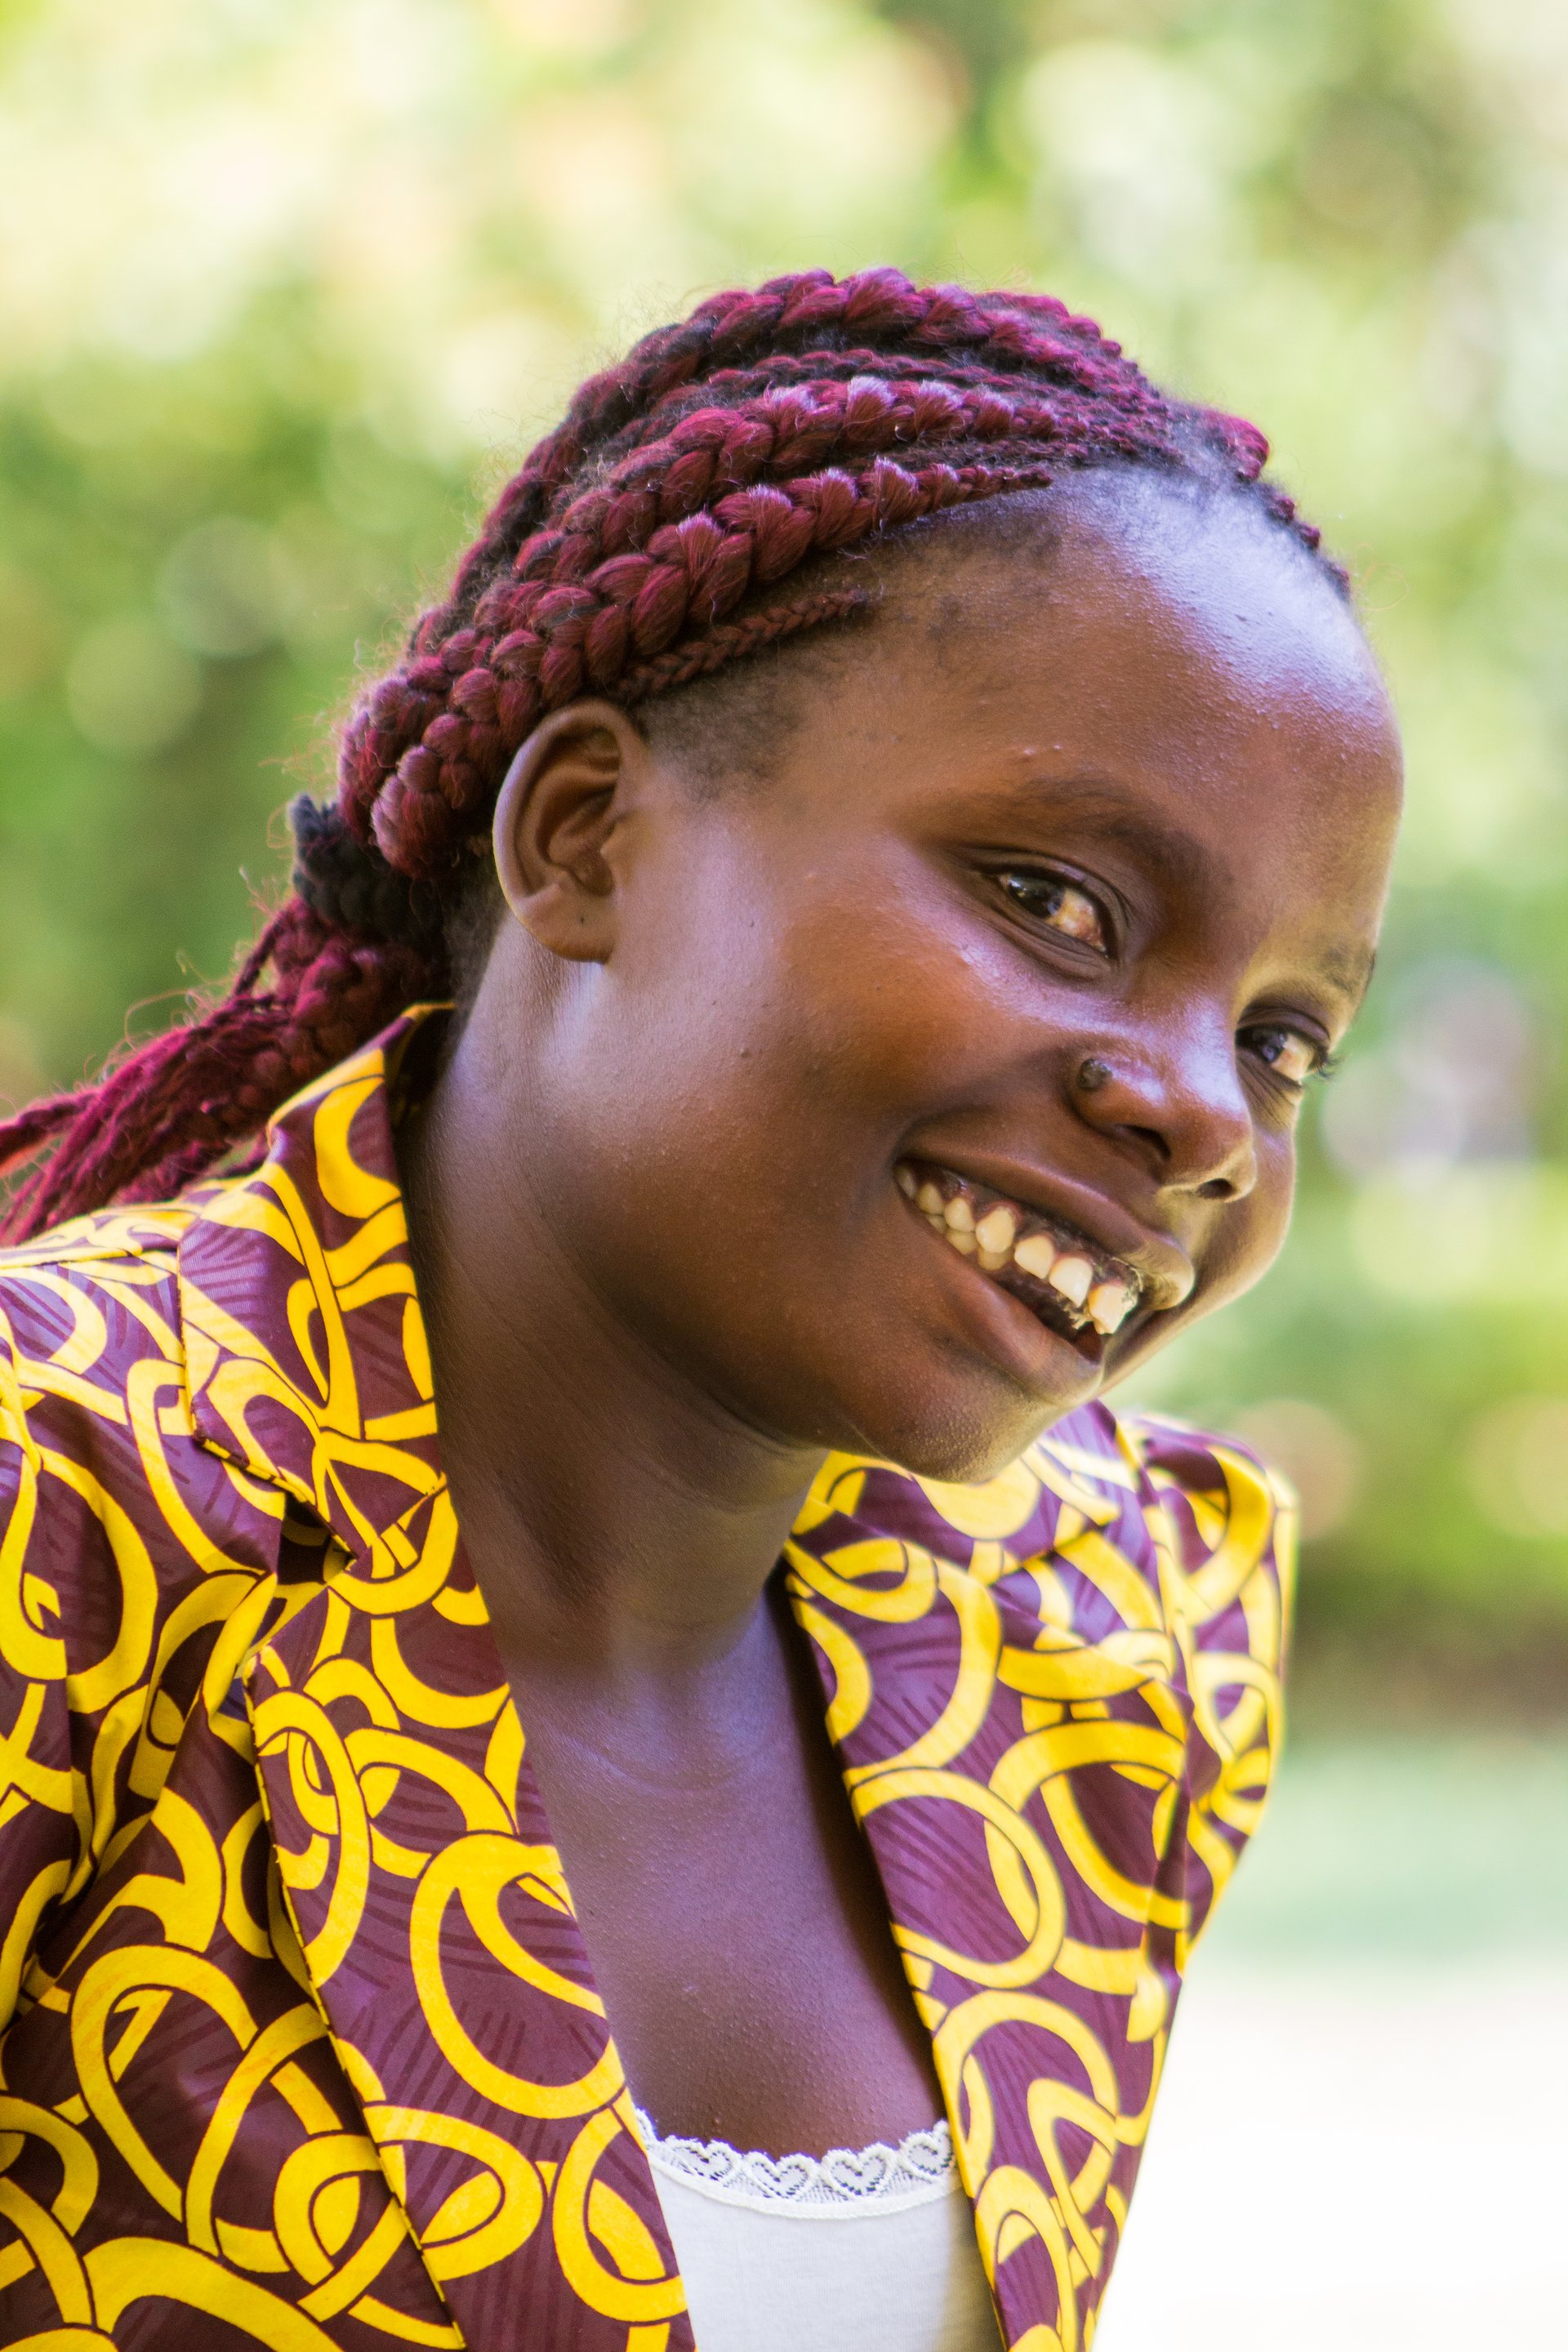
{"x":846,"y":2181}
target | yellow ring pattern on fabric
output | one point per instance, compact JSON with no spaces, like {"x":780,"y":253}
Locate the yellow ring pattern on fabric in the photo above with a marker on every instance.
{"x":265,"y":1803}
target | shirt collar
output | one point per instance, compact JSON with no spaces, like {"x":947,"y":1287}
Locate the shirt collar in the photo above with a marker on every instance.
{"x":309,"y":1365}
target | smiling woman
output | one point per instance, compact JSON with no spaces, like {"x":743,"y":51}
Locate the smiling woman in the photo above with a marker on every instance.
{"x":833,"y":920}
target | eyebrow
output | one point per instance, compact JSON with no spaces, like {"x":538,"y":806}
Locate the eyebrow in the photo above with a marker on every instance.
{"x":1349,"y":969}
{"x":1117,"y":815}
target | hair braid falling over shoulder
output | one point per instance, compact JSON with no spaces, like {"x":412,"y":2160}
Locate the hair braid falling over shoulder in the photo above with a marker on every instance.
{"x":633,"y":553}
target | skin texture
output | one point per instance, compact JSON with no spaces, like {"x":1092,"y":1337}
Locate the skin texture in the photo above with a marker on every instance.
{"x":665,"y":1258}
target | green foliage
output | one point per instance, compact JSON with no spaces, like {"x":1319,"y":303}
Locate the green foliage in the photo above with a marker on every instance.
{"x":299,"y":283}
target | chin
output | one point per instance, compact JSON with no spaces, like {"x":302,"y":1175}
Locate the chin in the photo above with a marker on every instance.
{"x":968,"y":1443}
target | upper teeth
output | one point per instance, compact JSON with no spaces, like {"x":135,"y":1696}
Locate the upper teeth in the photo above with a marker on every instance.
{"x":1072,"y":1276}
{"x":993,"y":1239}
{"x":1109,"y":1304}
{"x":997,"y":1230}
{"x":1037,"y":1255}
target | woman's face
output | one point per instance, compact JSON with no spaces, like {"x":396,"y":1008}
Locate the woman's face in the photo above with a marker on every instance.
{"x":871,"y":1094}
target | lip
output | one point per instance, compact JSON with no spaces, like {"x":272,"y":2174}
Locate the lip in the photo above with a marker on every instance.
{"x":1161,"y":1264}
{"x":1033,"y":1345}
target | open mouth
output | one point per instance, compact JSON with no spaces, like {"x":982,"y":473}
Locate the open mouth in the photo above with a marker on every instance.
{"x":1062,"y":1277}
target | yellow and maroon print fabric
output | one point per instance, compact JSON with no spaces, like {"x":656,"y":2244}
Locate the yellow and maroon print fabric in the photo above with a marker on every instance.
{"x":303,"y":2048}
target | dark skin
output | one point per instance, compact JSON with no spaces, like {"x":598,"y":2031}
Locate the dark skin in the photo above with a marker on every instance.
{"x":666,"y":1263}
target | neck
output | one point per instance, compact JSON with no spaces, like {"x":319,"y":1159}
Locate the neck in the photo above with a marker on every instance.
{"x":623,"y":1523}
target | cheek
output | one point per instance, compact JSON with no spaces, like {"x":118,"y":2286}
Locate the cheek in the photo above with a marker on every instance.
{"x":735,"y":1109}
{"x":899,"y":1006}
{"x":1250,"y":1234}
{"x":828,"y":1021}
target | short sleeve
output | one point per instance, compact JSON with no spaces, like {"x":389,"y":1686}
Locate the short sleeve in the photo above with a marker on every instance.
{"x":1225,"y":1527}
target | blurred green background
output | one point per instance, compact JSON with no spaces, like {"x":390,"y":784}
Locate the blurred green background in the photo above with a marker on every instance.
{"x":287,"y":287}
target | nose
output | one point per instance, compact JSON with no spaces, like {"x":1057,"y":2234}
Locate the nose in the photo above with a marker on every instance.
{"x":1182,"y":1109}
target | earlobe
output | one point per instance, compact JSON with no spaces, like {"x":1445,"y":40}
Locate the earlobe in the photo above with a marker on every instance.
{"x":563,"y":797}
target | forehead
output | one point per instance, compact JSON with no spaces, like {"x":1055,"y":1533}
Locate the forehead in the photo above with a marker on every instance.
{"x":1172,"y":636}
{"x":1167,"y":584}
{"x":1143,"y":662}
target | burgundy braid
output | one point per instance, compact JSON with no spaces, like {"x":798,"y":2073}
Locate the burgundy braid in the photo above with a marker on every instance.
{"x":769,"y":427}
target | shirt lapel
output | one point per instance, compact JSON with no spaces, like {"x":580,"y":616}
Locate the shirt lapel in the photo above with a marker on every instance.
{"x":1010,"y":1716}
{"x":434,"y":1927}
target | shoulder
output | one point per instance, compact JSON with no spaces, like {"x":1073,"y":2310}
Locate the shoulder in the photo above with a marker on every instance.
{"x":107,"y":1236}
{"x":127,"y":1547}
{"x":139,"y":1242}
{"x":1148,"y":1554}
{"x":1190,"y":1516}
{"x":78,"y":1309}
{"x":1227,"y":1524}
{"x":111,"y":1507}
{"x":1179,"y":1458}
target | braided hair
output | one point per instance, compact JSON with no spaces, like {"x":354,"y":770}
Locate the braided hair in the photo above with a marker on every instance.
{"x":633,"y":555}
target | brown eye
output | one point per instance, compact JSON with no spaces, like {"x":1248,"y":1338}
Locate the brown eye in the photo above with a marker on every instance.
{"x":1050,"y":899}
{"x":1290,"y":1054}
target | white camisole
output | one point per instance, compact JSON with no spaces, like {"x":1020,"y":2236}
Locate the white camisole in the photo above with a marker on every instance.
{"x":860,"y":2248}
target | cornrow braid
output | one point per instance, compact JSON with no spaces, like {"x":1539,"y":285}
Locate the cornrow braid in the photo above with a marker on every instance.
{"x":807,"y":417}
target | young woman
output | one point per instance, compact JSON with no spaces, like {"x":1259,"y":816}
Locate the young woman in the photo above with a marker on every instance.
{"x":582,"y":1661}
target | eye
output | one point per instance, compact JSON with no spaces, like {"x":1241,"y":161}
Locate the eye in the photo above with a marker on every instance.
{"x":1060,"y":905}
{"x":1291,"y":1054}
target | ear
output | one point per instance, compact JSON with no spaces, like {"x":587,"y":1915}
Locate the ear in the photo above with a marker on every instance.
{"x":565,"y":795}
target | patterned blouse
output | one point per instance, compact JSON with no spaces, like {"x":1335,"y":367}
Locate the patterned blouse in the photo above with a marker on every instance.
{"x":303,"y":2048}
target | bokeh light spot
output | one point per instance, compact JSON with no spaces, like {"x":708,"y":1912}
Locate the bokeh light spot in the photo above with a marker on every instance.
{"x":1518,"y":1463}
{"x":130,"y":688}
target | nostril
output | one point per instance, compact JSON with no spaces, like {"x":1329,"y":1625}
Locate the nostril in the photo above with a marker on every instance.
{"x":1218,"y":1187}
